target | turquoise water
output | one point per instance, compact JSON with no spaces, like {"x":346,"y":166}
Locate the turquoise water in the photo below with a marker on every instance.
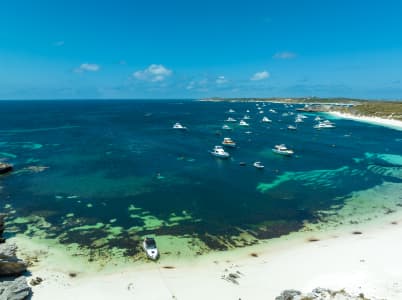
{"x":104,"y":174}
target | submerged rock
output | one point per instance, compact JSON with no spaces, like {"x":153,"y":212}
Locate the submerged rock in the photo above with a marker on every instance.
{"x":5,"y":168}
{"x":320,"y":294}
{"x":10,"y":265}
{"x":15,"y":289}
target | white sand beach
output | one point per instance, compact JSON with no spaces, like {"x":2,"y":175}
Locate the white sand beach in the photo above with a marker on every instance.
{"x":358,"y":258}
{"x":390,"y":123}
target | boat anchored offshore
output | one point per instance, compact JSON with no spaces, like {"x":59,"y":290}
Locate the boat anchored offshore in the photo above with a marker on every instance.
{"x":291,"y":127}
{"x":258,"y":165}
{"x":266,"y":120}
{"x":179,"y":126}
{"x":226,"y":127}
{"x":219,"y":152}
{"x":282,"y":149}
{"x":243,"y":123}
{"x":230,"y":119}
{"x":150,"y":248}
{"x":324,"y":124}
{"x":5,"y":168}
{"x":228,"y":142}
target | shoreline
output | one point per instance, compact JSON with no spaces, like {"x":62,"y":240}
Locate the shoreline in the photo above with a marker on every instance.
{"x":390,"y":123}
{"x":350,"y":254}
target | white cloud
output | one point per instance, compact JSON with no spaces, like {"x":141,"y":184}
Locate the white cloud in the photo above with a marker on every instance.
{"x":221,"y":80}
{"x":260,"y":76}
{"x":285,"y":55}
{"x":154,"y":73}
{"x":86,"y":67}
{"x":198,"y":85}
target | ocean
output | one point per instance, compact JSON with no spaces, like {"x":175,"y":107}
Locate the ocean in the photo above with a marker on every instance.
{"x":103,"y":174}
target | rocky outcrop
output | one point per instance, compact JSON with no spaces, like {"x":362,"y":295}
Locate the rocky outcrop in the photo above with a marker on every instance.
{"x":2,"y":217}
{"x":320,"y":294}
{"x":5,"y":168}
{"x":10,"y":265}
{"x":14,"y":289}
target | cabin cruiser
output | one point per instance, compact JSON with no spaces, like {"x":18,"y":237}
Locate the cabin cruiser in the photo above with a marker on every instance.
{"x":258,"y":165}
{"x":247,"y":110}
{"x":266,"y":120}
{"x":219,"y":152}
{"x":179,"y":126}
{"x":230,"y":120}
{"x":226,"y":127}
{"x":317,"y":118}
{"x":150,"y":248}
{"x":291,"y":127}
{"x":231,"y":111}
{"x":5,"y":168}
{"x":324,"y":125}
{"x":228,"y":142}
{"x":301,"y":116}
{"x":243,"y":123}
{"x":282,"y":149}
{"x":246,"y":117}
{"x":272,"y":111}
{"x":298,"y":120}
{"x":261,"y":112}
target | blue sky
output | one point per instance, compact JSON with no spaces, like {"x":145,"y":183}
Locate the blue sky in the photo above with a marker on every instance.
{"x":193,"y":49}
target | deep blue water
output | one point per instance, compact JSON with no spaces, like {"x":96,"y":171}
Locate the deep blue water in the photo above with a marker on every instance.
{"x":103,"y":158}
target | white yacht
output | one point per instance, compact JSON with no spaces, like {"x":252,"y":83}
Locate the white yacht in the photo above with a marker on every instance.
{"x":247,"y":110}
{"x":231,"y":111}
{"x":226,"y":127}
{"x":258,"y":165}
{"x":324,"y":125}
{"x":298,"y":120}
{"x":228,"y":142}
{"x":282,"y":149}
{"x":179,"y":126}
{"x":243,"y":123}
{"x":291,"y":127}
{"x":272,"y":111}
{"x":150,"y":248}
{"x":261,"y":112}
{"x":230,"y":119}
{"x":219,"y":152}
{"x":317,"y":118}
{"x":246,"y":117}
{"x":266,"y":120}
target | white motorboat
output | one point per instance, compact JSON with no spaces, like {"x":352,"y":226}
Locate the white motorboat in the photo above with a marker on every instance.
{"x":317,"y":118}
{"x":246,"y":117}
{"x":150,"y":248}
{"x":261,"y":112}
{"x":230,"y":119}
{"x":228,"y":142}
{"x":247,"y":110}
{"x":282,"y":149}
{"x":179,"y":126}
{"x":226,"y":127}
{"x":324,"y":125}
{"x":291,"y":127}
{"x":258,"y":165}
{"x":231,"y":111}
{"x":298,"y":120}
{"x":219,"y":152}
{"x":243,"y":123}
{"x":272,"y":111}
{"x":266,"y":120}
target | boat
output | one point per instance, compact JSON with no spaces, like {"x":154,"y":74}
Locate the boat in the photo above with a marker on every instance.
{"x":258,"y":165}
{"x":272,"y":111}
{"x":228,"y":142}
{"x":231,"y":111}
{"x":246,"y":117}
{"x":5,"y":168}
{"x":242,"y":163}
{"x":179,"y":126}
{"x":282,"y":149}
{"x":150,"y":248}
{"x":248,"y":110}
{"x":226,"y":127}
{"x":266,"y":120}
{"x":230,"y":120}
{"x":317,"y":118}
{"x":291,"y":127}
{"x":261,"y":112}
{"x":324,"y":125}
{"x":243,"y":123}
{"x":219,"y":152}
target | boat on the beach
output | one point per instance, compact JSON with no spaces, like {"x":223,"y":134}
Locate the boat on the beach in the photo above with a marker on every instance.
{"x":228,"y":142}
{"x":266,"y":120}
{"x":179,"y":126}
{"x":230,"y":119}
{"x":282,"y":150}
{"x":219,"y":152}
{"x":150,"y":248}
{"x":258,"y":165}
{"x":5,"y":168}
{"x":243,"y":123}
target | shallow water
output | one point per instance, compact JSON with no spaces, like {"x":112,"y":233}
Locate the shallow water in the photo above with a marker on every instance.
{"x":103,"y":174}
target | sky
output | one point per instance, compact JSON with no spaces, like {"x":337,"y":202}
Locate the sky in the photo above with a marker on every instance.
{"x":198,"y":49}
